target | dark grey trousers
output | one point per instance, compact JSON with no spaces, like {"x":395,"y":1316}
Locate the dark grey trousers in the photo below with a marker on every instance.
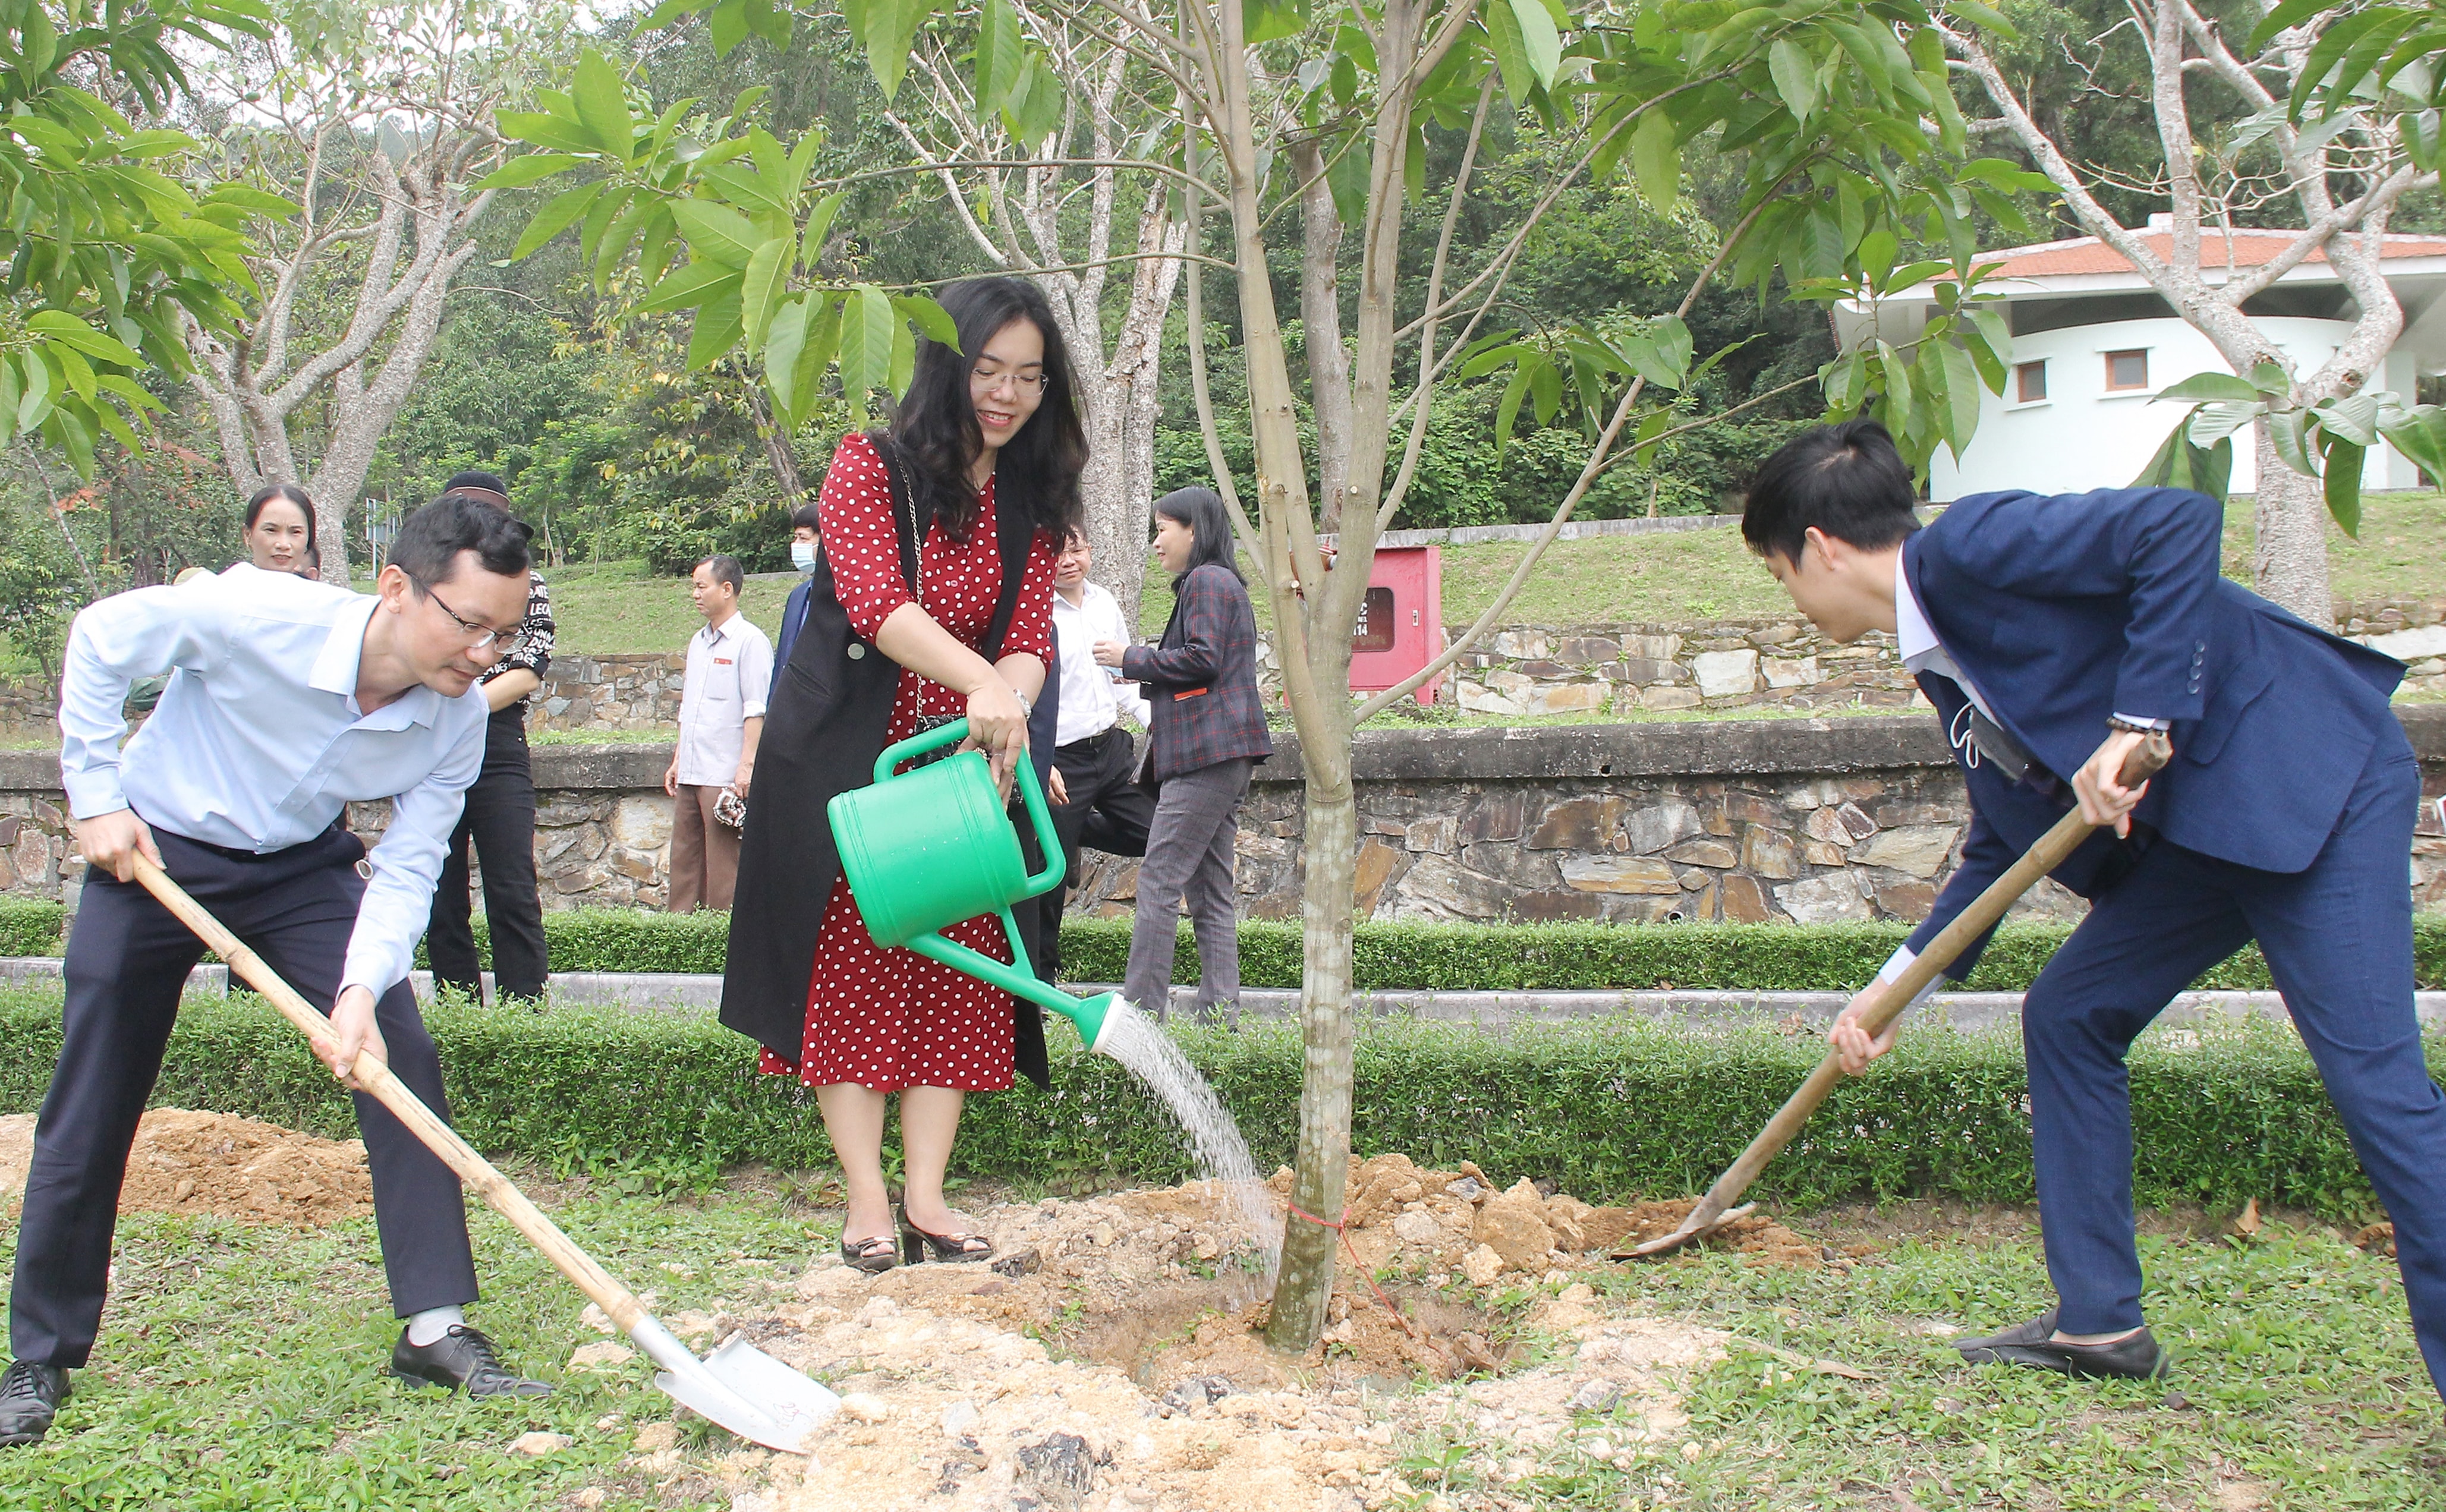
{"x":127,"y":961}
{"x":1191,"y":848}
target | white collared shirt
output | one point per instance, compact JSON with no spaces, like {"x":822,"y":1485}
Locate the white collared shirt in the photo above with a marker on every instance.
{"x":259,"y":742}
{"x":1091,"y":700}
{"x":729,"y":672}
{"x":1921,"y":652}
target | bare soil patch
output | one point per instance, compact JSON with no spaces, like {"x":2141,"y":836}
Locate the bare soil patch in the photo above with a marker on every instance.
{"x":220,"y":1164}
{"x":1113,"y":1359}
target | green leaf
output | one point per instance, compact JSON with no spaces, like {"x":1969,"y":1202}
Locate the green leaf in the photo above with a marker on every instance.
{"x":717,"y":232}
{"x":819,"y":225}
{"x":2344,"y":484}
{"x":603,"y":107}
{"x":1036,"y":104}
{"x":558,"y":133}
{"x":2201,"y":387}
{"x":999,"y":55}
{"x":2271,"y":380}
{"x":2419,"y":434}
{"x":1642,"y":447}
{"x":728,"y":26}
{"x":931,"y":318}
{"x":1539,"y":36}
{"x":1656,"y":160}
{"x":766,"y":281}
{"x":1961,"y":396}
{"x":34,"y":396}
{"x":715,"y":333}
{"x":904,"y":358}
{"x":1546,"y":389}
{"x":781,"y":344}
{"x":1507,"y":411}
{"x":1796,"y":79}
{"x":891,"y":26}
{"x":65,"y":329}
{"x":816,"y":350}
{"x":1898,"y":386}
{"x":866,"y":341}
{"x":521,"y":173}
{"x":2287,"y":430}
{"x":558,"y":213}
{"x":1511,"y":53}
{"x":696,"y":284}
{"x":1673,"y":344}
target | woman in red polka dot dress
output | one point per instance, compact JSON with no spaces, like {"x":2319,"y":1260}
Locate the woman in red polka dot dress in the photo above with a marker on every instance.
{"x":986,"y":450}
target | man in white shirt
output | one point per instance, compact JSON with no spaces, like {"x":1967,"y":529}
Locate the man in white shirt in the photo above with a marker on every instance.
{"x":288,"y":698}
{"x":722,"y":714}
{"x":1096,"y":803}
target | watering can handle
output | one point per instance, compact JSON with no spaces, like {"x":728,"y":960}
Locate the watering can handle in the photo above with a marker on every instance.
{"x":1031,"y":793}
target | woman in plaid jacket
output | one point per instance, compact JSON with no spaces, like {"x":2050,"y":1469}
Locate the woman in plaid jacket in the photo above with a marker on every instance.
{"x":1208,"y":734}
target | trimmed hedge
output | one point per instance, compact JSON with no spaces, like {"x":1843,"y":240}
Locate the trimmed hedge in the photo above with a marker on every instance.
{"x":1417,"y":957}
{"x":1453,"y":957}
{"x":1609,"y":1111}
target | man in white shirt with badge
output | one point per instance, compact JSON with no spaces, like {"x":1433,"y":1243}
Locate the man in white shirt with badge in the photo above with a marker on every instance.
{"x":289,"y":699}
{"x":722,"y":715}
{"x":1095,"y":801}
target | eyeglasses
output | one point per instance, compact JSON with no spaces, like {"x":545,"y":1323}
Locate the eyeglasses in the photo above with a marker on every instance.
{"x":479,"y":636}
{"x":1031,"y":383}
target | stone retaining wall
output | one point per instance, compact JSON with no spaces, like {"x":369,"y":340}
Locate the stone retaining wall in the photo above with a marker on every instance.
{"x":1744,"y":820}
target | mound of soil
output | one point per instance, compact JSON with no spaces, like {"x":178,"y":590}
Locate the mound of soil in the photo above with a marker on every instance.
{"x":1113,"y":1356}
{"x":221,"y":1165}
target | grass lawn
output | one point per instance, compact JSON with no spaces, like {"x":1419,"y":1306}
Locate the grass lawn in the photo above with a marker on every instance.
{"x":238,"y":1366}
{"x":1660,"y":578}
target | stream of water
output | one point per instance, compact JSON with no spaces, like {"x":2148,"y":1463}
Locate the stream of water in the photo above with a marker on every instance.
{"x":1141,"y":1046}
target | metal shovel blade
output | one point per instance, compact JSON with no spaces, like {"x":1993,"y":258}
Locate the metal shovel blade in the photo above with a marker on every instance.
{"x":1688,"y":1233}
{"x":744,"y":1388}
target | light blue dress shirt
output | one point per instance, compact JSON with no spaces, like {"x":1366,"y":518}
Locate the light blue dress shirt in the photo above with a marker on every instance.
{"x":258,"y":743}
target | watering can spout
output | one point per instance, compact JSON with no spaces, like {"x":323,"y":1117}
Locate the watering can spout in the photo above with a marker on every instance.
{"x":1093,"y":1017}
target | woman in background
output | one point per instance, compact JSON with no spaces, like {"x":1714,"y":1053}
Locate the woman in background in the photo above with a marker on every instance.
{"x":280,"y":529}
{"x":1208,"y":735}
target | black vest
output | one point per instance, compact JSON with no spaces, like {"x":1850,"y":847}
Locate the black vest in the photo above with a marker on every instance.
{"x":824,"y":725}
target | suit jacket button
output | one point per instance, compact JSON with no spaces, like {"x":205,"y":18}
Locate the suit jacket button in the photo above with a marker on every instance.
{"x":856,"y":650}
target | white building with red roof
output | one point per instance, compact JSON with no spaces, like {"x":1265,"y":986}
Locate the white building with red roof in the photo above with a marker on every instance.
{"x":2093,"y":343}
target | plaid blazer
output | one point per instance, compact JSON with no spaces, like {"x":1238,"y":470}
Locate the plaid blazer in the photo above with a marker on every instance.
{"x":1202,"y":677}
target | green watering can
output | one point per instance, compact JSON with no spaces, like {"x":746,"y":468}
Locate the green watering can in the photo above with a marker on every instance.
{"x":935,"y":845}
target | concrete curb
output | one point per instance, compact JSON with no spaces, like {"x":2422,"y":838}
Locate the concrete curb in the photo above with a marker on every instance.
{"x":689,"y":995}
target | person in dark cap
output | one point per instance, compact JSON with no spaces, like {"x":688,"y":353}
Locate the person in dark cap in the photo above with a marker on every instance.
{"x":499,"y":818}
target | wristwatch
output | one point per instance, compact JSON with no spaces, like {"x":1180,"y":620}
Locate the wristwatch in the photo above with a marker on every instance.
{"x":1027,"y":704}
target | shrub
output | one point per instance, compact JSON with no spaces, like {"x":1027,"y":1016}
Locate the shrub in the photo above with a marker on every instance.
{"x":1611,"y":1110}
{"x":30,"y":926}
{"x":1472,"y":958}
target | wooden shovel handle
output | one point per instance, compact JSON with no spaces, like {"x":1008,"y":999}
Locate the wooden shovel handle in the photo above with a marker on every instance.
{"x":377,"y":1080}
{"x":1889,"y":999}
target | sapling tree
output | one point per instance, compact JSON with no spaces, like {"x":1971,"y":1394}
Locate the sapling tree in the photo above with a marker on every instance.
{"x":1305,"y":133}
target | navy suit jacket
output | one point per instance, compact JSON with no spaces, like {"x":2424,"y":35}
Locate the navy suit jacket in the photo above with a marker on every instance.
{"x":2064,"y":611}
{"x":794,"y":616}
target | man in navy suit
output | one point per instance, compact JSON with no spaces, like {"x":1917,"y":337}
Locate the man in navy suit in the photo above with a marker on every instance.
{"x":805,"y":537}
{"x":2052,"y":635}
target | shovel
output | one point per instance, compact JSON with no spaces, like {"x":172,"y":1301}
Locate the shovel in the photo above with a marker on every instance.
{"x":1716,"y":1210}
{"x":742,"y":1388}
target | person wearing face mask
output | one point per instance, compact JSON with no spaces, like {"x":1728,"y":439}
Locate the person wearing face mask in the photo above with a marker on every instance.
{"x":804,"y":522}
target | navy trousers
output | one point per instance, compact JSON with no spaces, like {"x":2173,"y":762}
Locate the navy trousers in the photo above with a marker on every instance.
{"x":127,"y":961}
{"x":2337,"y":938}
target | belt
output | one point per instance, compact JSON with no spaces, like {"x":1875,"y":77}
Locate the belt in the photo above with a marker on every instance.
{"x":1091,"y":740}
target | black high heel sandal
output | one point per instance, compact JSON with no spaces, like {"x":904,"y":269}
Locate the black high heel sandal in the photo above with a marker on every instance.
{"x":865,"y":1256}
{"x":917,"y":1245}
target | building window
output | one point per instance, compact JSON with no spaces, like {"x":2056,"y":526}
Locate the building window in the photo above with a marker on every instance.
{"x":2029,"y":382}
{"x":2126,"y":371}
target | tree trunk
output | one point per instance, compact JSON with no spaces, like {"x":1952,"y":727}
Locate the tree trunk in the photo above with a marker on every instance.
{"x":1330,"y":848}
{"x":778,"y":449}
{"x":1328,"y":366}
{"x":2289,"y":559}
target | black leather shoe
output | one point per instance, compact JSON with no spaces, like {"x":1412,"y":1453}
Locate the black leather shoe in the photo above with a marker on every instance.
{"x":462,"y":1358}
{"x":30,"y":1395}
{"x":2033,"y":1345}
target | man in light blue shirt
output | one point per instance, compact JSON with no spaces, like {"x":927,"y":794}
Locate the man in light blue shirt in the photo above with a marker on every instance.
{"x":288,"y":699}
